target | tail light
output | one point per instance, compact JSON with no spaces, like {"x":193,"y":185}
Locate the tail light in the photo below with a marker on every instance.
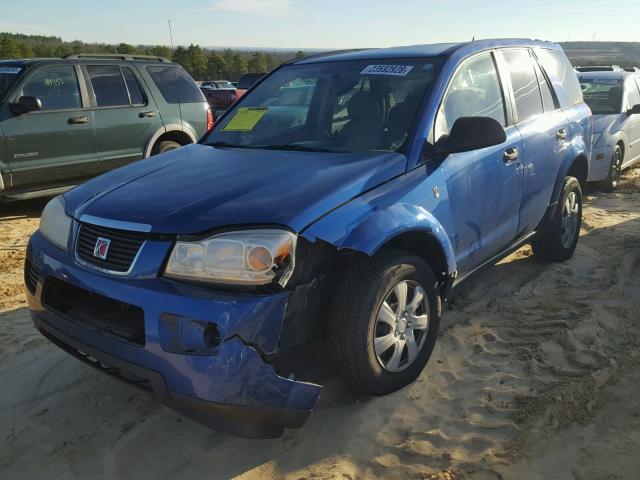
{"x":210,"y":119}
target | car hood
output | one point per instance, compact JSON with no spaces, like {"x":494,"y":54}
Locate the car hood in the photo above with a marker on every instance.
{"x":199,"y":188}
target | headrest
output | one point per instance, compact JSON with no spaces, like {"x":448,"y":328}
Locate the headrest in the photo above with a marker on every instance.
{"x":364,"y":106}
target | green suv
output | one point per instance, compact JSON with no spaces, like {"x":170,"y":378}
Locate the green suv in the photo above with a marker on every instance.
{"x":65,"y":120}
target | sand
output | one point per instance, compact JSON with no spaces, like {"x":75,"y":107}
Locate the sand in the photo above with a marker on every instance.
{"x":535,"y":376}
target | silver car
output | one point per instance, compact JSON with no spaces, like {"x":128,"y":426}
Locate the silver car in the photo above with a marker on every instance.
{"x":614,"y":98}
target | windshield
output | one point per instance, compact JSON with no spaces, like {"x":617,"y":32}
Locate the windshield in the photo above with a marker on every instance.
{"x":603,"y":95}
{"x":349,"y":106}
{"x":8,"y":76}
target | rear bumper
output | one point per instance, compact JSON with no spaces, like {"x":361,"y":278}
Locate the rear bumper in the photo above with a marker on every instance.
{"x":231,"y":387}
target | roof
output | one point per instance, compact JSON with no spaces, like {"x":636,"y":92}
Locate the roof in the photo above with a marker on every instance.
{"x":23,"y":62}
{"x":420,"y":51}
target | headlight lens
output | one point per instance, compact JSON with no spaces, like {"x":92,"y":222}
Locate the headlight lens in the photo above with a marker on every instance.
{"x":247,"y":257}
{"x":55,"y":224}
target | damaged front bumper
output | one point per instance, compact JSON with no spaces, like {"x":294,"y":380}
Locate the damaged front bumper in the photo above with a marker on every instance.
{"x":224,"y":380}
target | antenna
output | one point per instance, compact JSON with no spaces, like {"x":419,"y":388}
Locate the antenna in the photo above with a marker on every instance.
{"x":170,"y":35}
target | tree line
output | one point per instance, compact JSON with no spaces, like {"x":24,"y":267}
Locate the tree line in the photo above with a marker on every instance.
{"x":201,"y":63}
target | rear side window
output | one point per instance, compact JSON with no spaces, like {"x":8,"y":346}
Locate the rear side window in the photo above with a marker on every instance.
{"x":525,"y":84}
{"x":175,"y":85}
{"x":56,"y":87}
{"x":135,"y":92}
{"x":108,"y":85}
{"x":556,"y":63}
{"x":474,"y":91}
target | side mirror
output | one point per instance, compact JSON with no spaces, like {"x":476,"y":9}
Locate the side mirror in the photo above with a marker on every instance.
{"x":26,"y":105}
{"x":635,"y":110}
{"x":472,"y":133}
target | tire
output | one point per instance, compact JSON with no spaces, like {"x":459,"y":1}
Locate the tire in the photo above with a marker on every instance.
{"x":615,"y":170}
{"x":165,"y":146}
{"x":354,"y":324}
{"x":559,"y":240}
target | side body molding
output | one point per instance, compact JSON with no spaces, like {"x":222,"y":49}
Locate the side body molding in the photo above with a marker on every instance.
{"x":415,"y":202}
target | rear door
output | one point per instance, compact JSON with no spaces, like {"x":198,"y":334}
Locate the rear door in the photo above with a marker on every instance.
{"x":57,"y":145}
{"x":544,"y":129}
{"x":125,"y":117}
{"x":485,"y":186}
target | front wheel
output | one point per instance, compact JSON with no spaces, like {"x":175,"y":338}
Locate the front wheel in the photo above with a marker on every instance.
{"x":615,"y":170}
{"x":558,"y":242}
{"x":384,"y":322}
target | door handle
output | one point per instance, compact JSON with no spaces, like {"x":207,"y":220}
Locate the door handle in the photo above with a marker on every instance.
{"x":147,"y":114}
{"x":78,"y":120}
{"x":561,"y":134}
{"x":510,"y":155}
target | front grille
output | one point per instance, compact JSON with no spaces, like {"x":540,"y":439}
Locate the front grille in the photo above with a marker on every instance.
{"x":31,"y":273}
{"x":122,"y":250}
{"x":104,"y":314}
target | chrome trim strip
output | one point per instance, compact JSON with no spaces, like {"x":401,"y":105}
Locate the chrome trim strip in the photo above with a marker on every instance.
{"x":117,"y":224}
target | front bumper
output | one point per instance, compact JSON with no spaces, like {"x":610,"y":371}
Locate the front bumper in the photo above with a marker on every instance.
{"x":232,"y":388}
{"x":600,"y":163}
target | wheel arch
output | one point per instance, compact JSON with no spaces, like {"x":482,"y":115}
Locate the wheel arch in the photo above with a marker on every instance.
{"x":399,"y":226}
{"x":175,"y":133}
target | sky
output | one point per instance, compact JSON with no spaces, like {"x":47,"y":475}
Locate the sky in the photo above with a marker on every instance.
{"x":321,"y":24}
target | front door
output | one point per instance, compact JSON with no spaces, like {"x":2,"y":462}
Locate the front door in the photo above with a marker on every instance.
{"x":126,"y":118}
{"x":56,"y":145}
{"x":485,"y":186}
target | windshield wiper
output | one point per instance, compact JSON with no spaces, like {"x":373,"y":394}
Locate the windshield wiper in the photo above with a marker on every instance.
{"x":298,"y":148}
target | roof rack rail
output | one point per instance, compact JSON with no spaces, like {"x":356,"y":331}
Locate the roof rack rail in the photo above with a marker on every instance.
{"x":599,"y":68}
{"x":632,"y":70}
{"x":326,"y":54}
{"x":118,"y":56}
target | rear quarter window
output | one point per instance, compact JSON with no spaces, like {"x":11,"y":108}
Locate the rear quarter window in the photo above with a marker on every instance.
{"x":175,"y":85}
{"x":559,"y":68}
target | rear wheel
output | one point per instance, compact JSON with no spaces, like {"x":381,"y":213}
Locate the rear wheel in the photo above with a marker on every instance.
{"x":384,"y":322}
{"x":615,"y":170}
{"x":559,"y":241}
{"x":165,"y":146}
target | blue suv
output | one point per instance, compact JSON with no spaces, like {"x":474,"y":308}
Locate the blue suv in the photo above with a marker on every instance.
{"x":333,"y":207}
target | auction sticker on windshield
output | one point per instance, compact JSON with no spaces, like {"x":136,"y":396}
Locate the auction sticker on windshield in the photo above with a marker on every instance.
{"x":245,"y":119}
{"x":14,"y":70}
{"x":396,"y":70}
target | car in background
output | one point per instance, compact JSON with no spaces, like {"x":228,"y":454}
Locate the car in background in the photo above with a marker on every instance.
{"x":614,"y":99}
{"x":220,"y":95}
{"x":218,"y":84}
{"x":247,"y":81}
{"x":65,"y":120}
{"x":338,"y":202}
{"x":599,"y":68}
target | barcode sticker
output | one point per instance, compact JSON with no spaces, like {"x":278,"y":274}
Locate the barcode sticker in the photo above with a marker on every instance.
{"x":395,"y":70}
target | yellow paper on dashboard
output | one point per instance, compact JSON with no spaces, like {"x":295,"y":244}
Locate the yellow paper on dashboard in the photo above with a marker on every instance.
{"x":245,"y":119}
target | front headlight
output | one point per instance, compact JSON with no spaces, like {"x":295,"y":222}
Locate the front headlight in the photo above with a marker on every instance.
{"x":246,"y":257}
{"x":55,"y":224}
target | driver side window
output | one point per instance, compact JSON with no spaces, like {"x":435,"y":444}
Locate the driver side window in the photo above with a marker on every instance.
{"x":474,"y":91}
{"x":57,"y":88}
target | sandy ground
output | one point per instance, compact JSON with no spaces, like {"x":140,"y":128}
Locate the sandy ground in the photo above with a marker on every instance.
{"x":535,"y":376}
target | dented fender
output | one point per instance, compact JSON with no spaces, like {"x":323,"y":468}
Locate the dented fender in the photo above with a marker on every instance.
{"x":409,"y":204}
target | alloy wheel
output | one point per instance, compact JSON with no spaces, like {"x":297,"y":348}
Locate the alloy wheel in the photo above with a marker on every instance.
{"x":401,"y":326}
